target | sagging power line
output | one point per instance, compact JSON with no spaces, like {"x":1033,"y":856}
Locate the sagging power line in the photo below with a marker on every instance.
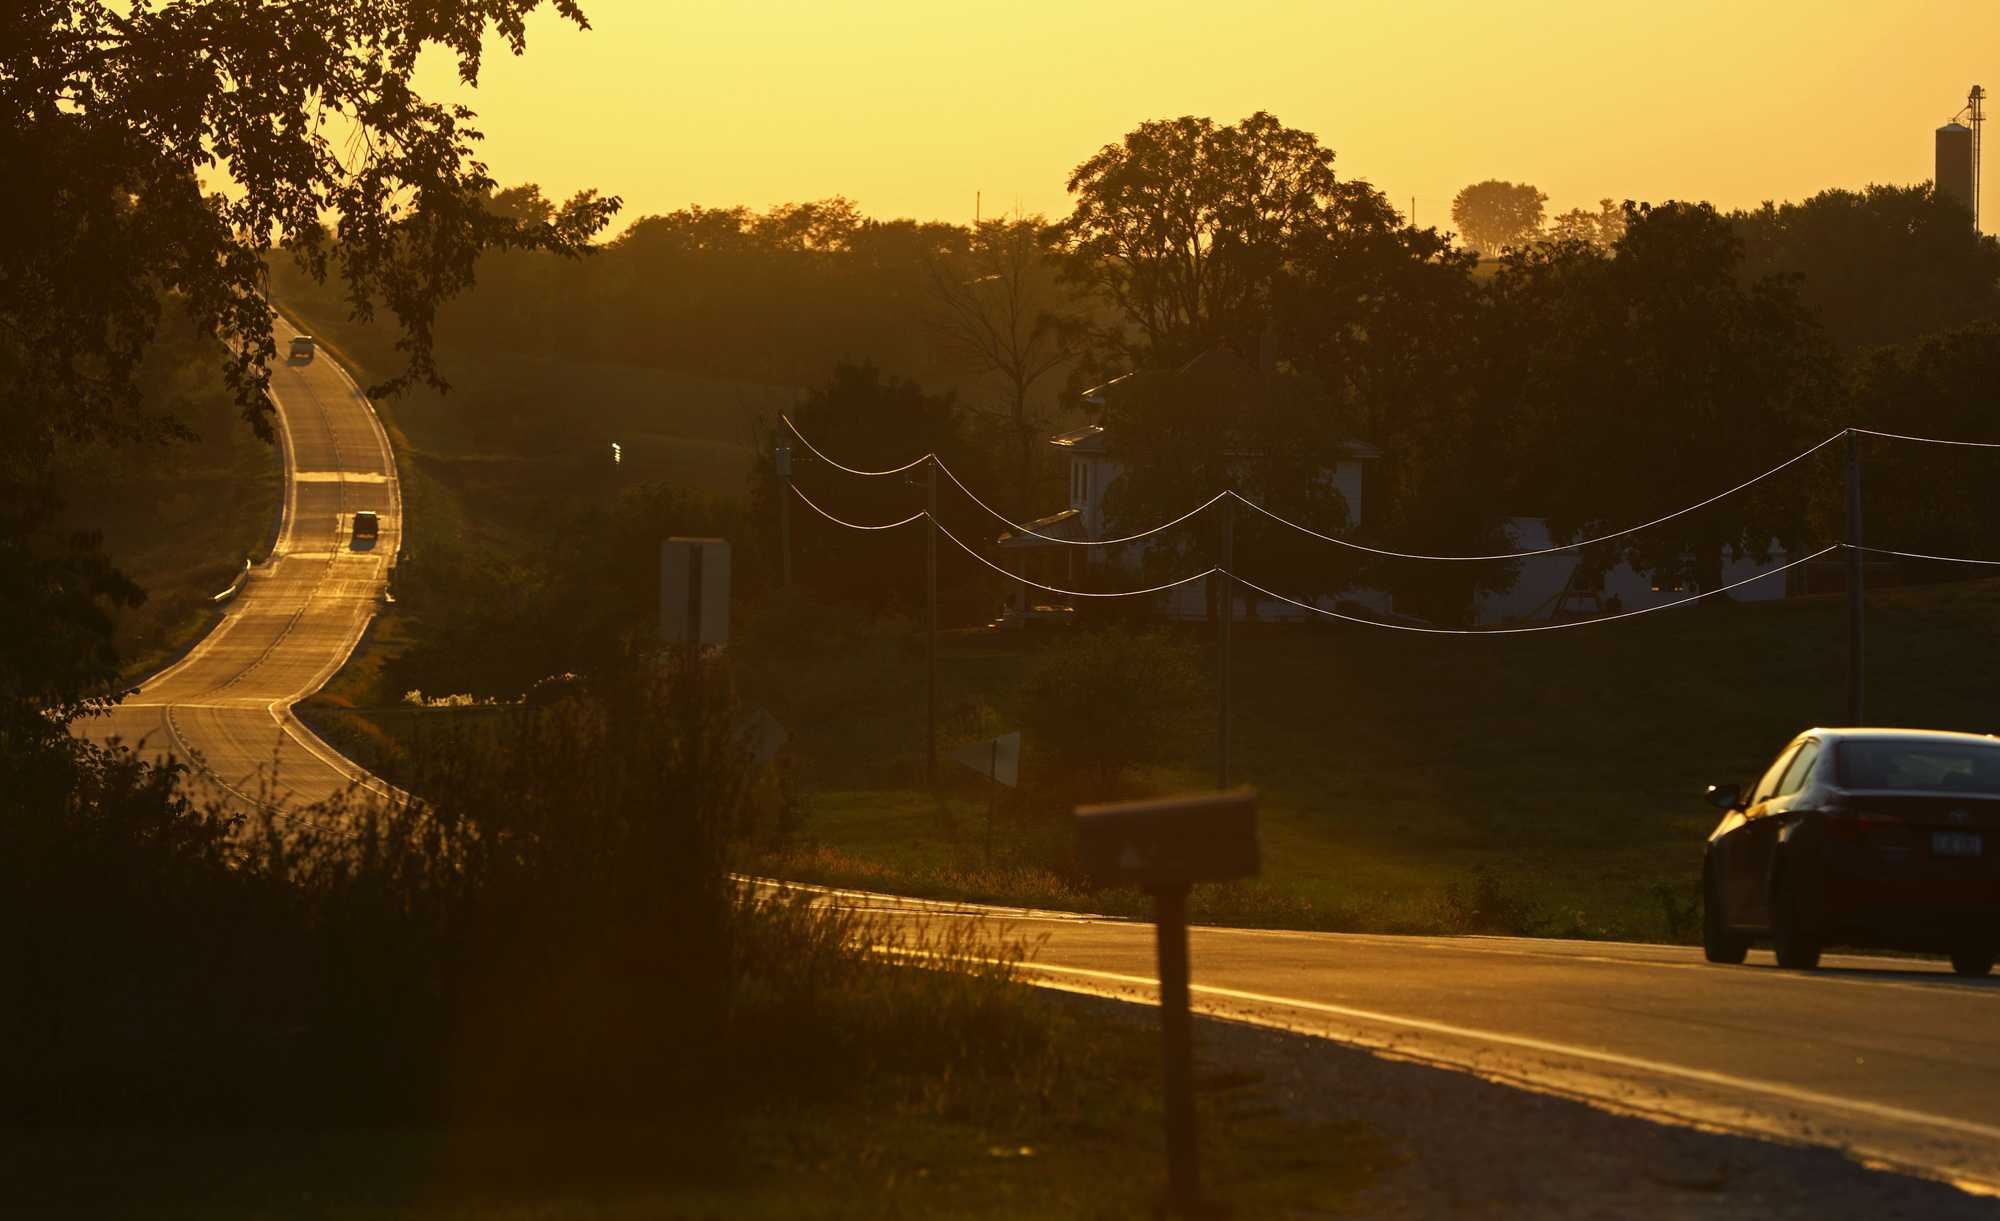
{"x":1025,"y":530}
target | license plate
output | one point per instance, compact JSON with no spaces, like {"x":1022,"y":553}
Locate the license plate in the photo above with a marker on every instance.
{"x":1955,"y":843}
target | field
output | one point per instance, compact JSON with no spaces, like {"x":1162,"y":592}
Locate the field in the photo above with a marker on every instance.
{"x":1542,"y":784}
{"x":1546,"y":784}
{"x":518,"y":440}
{"x":179,"y":518}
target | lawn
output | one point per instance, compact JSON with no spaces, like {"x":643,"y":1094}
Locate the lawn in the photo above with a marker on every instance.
{"x":1543,"y":783}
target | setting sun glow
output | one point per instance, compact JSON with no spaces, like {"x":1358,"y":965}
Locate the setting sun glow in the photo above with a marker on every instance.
{"x":913,"y":109}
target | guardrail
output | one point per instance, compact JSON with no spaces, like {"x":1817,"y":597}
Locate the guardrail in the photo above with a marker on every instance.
{"x":235,"y":587}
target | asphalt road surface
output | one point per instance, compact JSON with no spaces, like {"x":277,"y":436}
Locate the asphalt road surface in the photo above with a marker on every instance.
{"x":227,"y":704}
{"x":1896,"y":1061}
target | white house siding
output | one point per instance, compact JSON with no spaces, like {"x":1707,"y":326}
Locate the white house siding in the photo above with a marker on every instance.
{"x":1091,"y":476}
{"x":1541,"y":579}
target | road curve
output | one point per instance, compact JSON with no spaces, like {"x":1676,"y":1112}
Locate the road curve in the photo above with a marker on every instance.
{"x":227,"y":705}
{"x":1895,"y":1061}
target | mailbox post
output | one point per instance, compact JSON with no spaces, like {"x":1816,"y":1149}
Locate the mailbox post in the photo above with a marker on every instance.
{"x":1164,"y":846}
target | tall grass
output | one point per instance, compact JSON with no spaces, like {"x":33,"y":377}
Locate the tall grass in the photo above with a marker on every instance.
{"x":545,"y":933}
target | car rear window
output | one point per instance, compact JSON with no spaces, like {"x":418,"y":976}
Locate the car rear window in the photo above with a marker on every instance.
{"x":1948,"y":767}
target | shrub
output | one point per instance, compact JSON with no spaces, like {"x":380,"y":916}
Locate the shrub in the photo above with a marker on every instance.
{"x":549,"y":935}
{"x":1102,"y":702}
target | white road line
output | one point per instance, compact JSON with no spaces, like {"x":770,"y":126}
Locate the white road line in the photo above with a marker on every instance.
{"x":1728,"y":1081}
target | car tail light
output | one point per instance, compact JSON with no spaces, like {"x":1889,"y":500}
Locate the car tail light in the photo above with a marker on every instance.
{"x":1855,"y":825}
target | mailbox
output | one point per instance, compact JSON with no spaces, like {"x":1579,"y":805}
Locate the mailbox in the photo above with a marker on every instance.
{"x":1170,"y":841}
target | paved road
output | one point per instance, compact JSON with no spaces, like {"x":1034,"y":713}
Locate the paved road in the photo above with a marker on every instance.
{"x":300,"y":613}
{"x":1895,"y":1060}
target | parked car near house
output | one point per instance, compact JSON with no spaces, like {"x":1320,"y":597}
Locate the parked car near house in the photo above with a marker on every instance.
{"x":1880,"y":838}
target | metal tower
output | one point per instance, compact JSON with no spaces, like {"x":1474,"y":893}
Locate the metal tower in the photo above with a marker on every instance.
{"x":1974,"y":115}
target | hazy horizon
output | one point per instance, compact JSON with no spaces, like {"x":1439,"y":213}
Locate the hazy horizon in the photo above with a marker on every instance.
{"x":912,"y":110}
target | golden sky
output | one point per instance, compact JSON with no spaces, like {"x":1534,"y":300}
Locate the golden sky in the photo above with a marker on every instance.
{"x":910,"y":107}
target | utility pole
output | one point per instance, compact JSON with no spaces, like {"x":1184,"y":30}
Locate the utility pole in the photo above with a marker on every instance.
{"x":783,"y":458}
{"x":930,"y":566}
{"x":1225,"y":604}
{"x":1856,"y":653}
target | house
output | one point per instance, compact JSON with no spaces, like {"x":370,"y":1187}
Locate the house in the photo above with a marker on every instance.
{"x":1046,"y":550}
{"x":1550,"y":586}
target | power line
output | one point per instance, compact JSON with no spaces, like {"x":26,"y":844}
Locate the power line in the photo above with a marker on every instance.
{"x":1540,"y":627}
{"x":1523,"y":555}
{"x":1071,"y":593}
{"x":852,"y":470}
{"x":919,"y":515}
{"x":1020,"y":528}
{"x":1357,"y":619}
{"x":1023,"y":529}
{"x":1899,"y":436}
{"x":1918,"y":555}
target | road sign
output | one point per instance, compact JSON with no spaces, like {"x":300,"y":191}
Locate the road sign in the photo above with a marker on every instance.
{"x":998,"y":759}
{"x":694,"y":591}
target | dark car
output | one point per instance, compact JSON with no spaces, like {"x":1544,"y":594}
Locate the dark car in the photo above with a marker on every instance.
{"x":367,"y":525}
{"x":1883,"y":838}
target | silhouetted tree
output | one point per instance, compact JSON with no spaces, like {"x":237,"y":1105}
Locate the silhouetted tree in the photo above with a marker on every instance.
{"x":1182,"y":435}
{"x":115,"y":116}
{"x":1601,"y":228}
{"x":1928,"y":498}
{"x":999,"y":307}
{"x":864,"y":418}
{"x":1393,"y":326}
{"x":1881,"y":265}
{"x":1492,"y":216}
{"x":1183,"y":226}
{"x":1657,"y":369}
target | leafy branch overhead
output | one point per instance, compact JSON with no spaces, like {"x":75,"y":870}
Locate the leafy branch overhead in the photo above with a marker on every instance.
{"x":166,"y":150}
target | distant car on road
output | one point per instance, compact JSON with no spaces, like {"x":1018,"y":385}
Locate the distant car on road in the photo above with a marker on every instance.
{"x":303,"y":347}
{"x":1883,"y":838}
{"x":367,"y":525}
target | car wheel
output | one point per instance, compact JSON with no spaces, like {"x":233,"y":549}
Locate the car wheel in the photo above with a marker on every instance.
{"x":1973,"y":961}
{"x":1717,"y":941}
{"x":1797,"y":950}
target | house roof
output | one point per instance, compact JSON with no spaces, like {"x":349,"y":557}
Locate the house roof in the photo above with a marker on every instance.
{"x":1091,"y":439}
{"x":1067,"y":524}
{"x":1088,"y":439}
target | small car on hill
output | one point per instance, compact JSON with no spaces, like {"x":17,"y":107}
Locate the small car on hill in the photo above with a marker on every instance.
{"x":302,"y":348}
{"x":1879,"y":838}
{"x":367,"y":525}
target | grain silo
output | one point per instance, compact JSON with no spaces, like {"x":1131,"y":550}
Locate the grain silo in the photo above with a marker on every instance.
{"x":1958,"y":155}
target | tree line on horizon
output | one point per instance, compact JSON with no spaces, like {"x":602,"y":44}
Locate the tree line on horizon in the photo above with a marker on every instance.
{"x":1597,"y":371}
